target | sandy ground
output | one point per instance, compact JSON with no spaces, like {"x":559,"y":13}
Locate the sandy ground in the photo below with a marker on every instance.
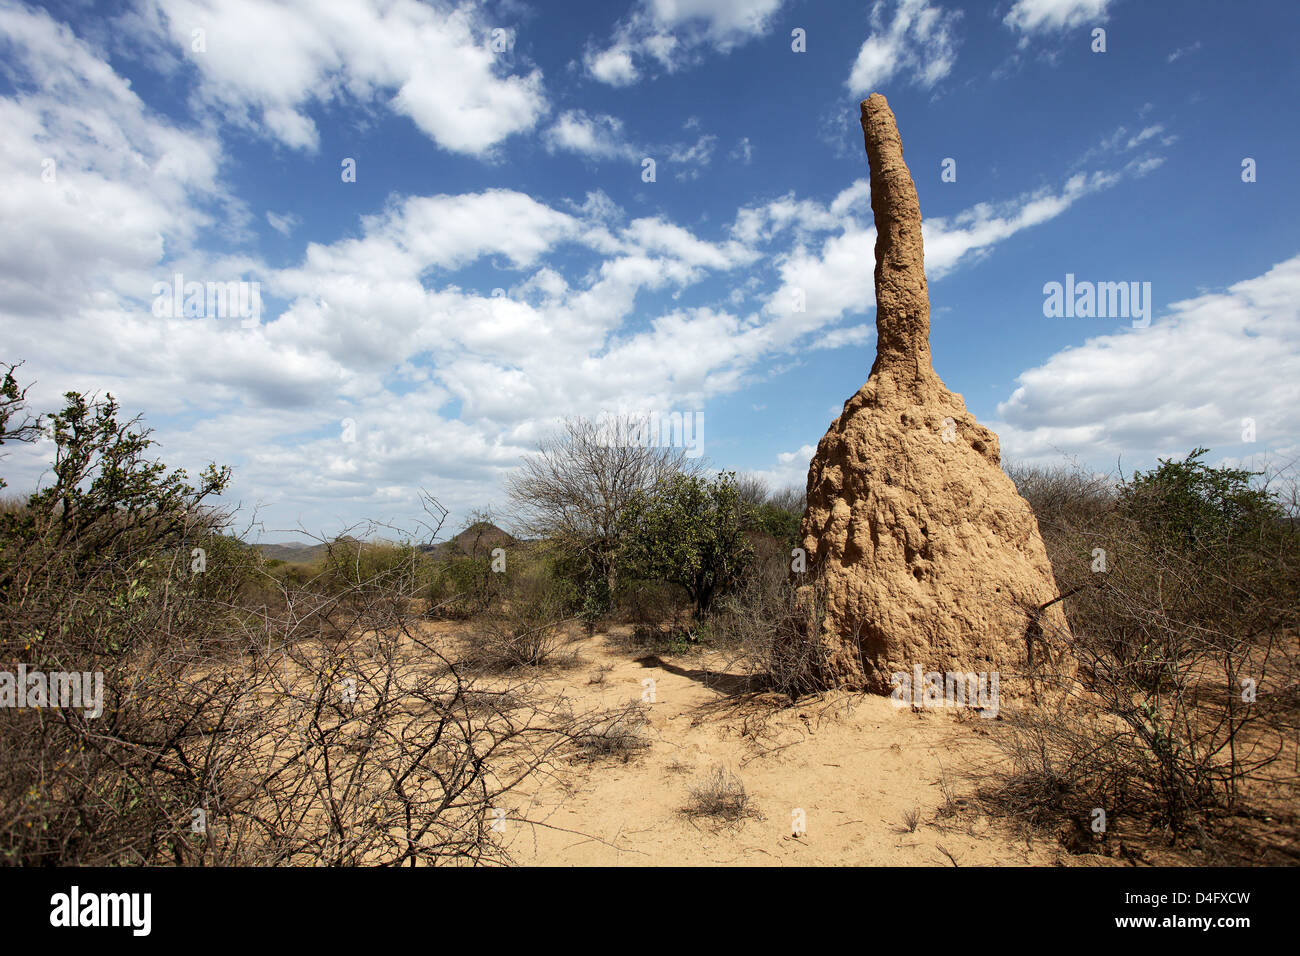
{"x":855,"y":766}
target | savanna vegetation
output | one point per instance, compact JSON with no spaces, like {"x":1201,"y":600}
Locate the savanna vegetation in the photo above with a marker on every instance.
{"x":289,"y":705}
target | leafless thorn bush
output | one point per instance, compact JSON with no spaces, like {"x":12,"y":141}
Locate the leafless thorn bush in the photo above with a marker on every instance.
{"x":770,"y":628}
{"x":621,"y":733}
{"x":527,"y":630}
{"x":721,"y":796}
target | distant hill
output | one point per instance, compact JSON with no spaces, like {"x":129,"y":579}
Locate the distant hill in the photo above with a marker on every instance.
{"x":478,"y":540}
{"x":292,"y":552}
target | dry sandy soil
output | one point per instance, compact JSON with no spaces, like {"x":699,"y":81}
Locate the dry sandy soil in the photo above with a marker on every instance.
{"x":855,"y":765}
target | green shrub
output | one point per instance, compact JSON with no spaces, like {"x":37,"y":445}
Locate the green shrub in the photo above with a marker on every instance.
{"x":112,"y":532}
{"x":461,"y":587}
{"x":776,"y":521}
{"x":1188,"y":505}
{"x":689,"y":531}
{"x":352,"y":564}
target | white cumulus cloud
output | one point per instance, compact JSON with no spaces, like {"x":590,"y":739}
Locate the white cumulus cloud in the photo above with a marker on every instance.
{"x":1189,"y":379}
{"x":267,"y":64}
{"x":672,"y":34}
{"x":1045,"y":16}
{"x":915,"y":44}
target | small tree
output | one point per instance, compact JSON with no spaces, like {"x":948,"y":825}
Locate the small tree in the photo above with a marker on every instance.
{"x":754,"y":490}
{"x":689,"y":530}
{"x":575,"y":490}
{"x":1188,"y":504}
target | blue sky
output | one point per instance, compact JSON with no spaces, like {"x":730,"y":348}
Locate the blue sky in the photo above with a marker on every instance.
{"x":501,"y":260}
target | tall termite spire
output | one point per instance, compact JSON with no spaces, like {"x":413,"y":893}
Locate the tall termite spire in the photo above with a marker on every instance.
{"x":902,"y":297}
{"x":921,"y":553}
